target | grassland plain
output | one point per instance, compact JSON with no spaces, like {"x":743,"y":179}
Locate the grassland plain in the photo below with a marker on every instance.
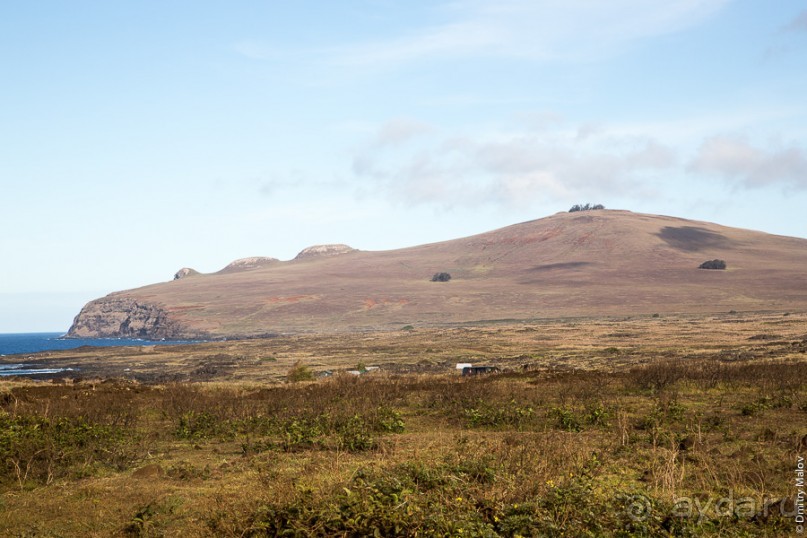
{"x":644,"y":426}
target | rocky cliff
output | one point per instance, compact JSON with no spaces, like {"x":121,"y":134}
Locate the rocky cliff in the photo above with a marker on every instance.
{"x":124,"y":317}
{"x":185,"y":272}
{"x":320,"y":251}
{"x":247,"y":264}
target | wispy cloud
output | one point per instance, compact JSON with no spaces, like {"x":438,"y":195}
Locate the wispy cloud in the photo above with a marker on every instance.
{"x":399,"y":131}
{"x":535,"y":29}
{"x":786,"y":45}
{"x":543,"y":30}
{"x":450,"y":40}
{"x":561,"y":162}
{"x":799,"y":23}
{"x":737,"y":160}
{"x":295,"y":180}
{"x":515,"y":169}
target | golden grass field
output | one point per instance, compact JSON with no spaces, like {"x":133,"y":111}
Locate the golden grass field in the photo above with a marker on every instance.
{"x":674,"y":425}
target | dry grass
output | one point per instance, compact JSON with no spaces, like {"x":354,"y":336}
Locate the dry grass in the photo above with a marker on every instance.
{"x":607,"y":344}
{"x":544,"y":451}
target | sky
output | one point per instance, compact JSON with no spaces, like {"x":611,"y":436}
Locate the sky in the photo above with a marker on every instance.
{"x":140,"y":137}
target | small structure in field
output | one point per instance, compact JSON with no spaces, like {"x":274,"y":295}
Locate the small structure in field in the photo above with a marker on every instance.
{"x":479,"y":370}
{"x":367,"y":370}
{"x":463,"y":365}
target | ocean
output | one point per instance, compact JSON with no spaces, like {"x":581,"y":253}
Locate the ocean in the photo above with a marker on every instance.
{"x":21,"y":343}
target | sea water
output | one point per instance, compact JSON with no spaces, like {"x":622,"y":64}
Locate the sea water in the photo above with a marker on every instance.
{"x":23,"y":343}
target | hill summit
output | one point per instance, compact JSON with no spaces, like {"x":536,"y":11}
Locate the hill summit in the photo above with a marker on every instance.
{"x":592,"y":263}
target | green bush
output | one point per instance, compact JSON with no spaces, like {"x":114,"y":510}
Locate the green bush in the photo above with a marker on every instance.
{"x":41,"y":449}
{"x":389,"y":420}
{"x":495,"y":414}
{"x":598,"y":415}
{"x":566,"y":419}
{"x":356,"y":435}
{"x":300,"y":434}
{"x":202,"y":425}
{"x":299,"y":372}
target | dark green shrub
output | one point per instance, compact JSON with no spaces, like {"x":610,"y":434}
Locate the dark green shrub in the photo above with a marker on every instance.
{"x":441,"y":277}
{"x":585,"y":207}
{"x":300,"y":435}
{"x":389,"y":421}
{"x":598,"y":415}
{"x":299,"y":372}
{"x":356,"y":435}
{"x":565,"y":419}
{"x":497,"y":414}
{"x":713,"y":264}
{"x":202,"y":425}
{"x":41,"y":449}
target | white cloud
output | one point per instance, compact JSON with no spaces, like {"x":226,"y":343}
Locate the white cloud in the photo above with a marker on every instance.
{"x":518,"y":190}
{"x":450,"y":40}
{"x":684,"y":131}
{"x":295,"y":180}
{"x":736,"y":159}
{"x":399,"y":131}
{"x":535,"y":29}
{"x":514,"y":169}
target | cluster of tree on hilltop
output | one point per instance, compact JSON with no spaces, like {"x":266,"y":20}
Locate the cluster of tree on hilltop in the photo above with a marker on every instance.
{"x":586,"y":207}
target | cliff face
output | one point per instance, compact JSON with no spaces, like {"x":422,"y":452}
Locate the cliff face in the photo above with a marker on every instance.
{"x":124,"y":317}
{"x":247,"y":264}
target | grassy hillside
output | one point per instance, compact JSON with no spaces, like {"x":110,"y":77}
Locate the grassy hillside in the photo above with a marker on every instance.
{"x":569,"y":264}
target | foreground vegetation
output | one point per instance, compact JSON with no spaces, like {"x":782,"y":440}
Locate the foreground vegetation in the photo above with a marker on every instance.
{"x":529,"y":453}
{"x":649,"y":426}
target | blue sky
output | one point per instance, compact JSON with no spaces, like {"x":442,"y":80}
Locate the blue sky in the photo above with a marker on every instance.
{"x":140,"y":137}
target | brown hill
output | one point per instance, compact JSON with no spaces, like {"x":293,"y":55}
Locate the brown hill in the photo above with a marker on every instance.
{"x":569,"y":264}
